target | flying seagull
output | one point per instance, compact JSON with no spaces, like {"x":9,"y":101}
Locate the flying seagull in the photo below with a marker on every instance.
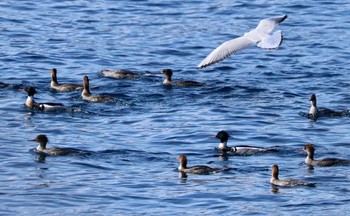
{"x":261,"y":36}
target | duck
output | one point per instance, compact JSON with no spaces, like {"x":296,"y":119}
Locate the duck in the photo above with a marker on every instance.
{"x":168,"y":74}
{"x":120,"y":74}
{"x":260,"y":36}
{"x":315,"y":113}
{"x":199,"y":169}
{"x":243,"y":150}
{"x":31,"y":103}
{"x":43,"y":140}
{"x":4,"y":85}
{"x":62,"y":87}
{"x":309,"y":160}
{"x":86,"y":94}
{"x":286,"y":182}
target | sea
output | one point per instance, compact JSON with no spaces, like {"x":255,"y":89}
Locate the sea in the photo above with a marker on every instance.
{"x":255,"y":95}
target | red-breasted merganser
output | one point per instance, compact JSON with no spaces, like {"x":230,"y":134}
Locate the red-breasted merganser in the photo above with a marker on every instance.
{"x":168,"y":73}
{"x":241,"y":149}
{"x":63,"y":87}
{"x":30,"y":102}
{"x":286,"y":182}
{"x":86,"y":94}
{"x":310,"y":150}
{"x":314,"y":112}
{"x":43,"y":140}
{"x":199,"y":169}
{"x":120,"y":74}
{"x":3,"y":85}
{"x":262,"y":36}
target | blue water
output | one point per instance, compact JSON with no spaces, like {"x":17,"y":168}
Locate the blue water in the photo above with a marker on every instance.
{"x":256,"y":95}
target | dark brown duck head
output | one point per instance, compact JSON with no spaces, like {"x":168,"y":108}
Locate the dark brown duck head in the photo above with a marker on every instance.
{"x":31,"y":91}
{"x":310,"y":150}
{"x":313,"y":100}
{"x":86,"y":84}
{"x":168,"y":73}
{"x":223,"y":136}
{"x":183,"y":161}
{"x":275,"y":171}
{"x":54,"y":75}
{"x":42,"y":140}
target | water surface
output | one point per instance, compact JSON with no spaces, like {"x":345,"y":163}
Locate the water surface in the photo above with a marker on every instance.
{"x":255,"y":95}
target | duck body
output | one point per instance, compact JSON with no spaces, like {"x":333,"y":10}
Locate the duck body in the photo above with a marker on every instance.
{"x":86,"y":94}
{"x":199,"y":169}
{"x":242,"y":150}
{"x":286,"y":182}
{"x":168,"y":75}
{"x":4,"y":85}
{"x":324,"y":112}
{"x":66,"y":87}
{"x":120,"y":74}
{"x":316,"y":112}
{"x":247,"y":150}
{"x":31,"y":103}
{"x":59,"y":151}
{"x":43,"y":140}
{"x":62,"y":87}
{"x":327,"y":162}
{"x":289,"y":182}
{"x":309,"y":160}
{"x":183,"y":83}
{"x":97,"y":98}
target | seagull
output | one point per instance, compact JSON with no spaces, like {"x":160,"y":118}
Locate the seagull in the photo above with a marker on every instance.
{"x":261,"y":36}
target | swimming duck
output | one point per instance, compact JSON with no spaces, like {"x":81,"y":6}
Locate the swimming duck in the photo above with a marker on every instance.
{"x":43,"y":140}
{"x":4,"y":85}
{"x":310,"y":150}
{"x":314,"y":112}
{"x":239,"y":150}
{"x":31,"y":103}
{"x":199,"y":169}
{"x":261,"y":36}
{"x":286,"y":182}
{"x":86,"y":94}
{"x":120,"y":74}
{"x":62,"y":87}
{"x":168,"y":74}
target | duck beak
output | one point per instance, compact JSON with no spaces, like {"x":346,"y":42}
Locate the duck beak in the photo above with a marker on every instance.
{"x":212,"y":137}
{"x":33,"y":140}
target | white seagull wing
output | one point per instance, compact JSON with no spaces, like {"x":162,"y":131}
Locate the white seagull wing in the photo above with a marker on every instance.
{"x":266,"y":26}
{"x":271,"y":41}
{"x":225,"y":50}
